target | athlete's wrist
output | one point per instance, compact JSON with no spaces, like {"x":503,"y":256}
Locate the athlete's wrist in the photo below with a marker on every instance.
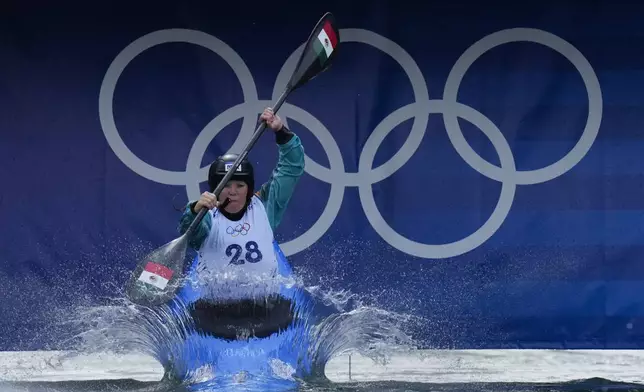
{"x":284,"y":135}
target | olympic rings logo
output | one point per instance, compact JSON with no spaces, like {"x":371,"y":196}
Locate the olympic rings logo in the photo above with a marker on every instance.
{"x":366,"y":176}
{"x":239,"y":229}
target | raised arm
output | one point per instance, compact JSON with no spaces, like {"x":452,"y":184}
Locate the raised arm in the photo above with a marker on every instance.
{"x":277,"y":191}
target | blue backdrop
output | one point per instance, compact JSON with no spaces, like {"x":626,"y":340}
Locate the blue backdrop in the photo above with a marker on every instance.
{"x":506,"y":137}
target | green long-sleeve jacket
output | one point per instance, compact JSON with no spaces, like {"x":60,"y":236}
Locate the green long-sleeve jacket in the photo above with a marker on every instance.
{"x":275,"y":193}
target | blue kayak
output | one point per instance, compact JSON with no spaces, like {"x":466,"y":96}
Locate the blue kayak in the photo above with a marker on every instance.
{"x":276,"y":360}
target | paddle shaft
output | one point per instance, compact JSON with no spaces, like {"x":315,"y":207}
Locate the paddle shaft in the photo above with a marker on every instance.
{"x":258,"y":132}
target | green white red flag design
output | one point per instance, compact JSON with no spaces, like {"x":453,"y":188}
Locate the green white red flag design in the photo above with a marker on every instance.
{"x":156,"y":274}
{"x":325,"y":44}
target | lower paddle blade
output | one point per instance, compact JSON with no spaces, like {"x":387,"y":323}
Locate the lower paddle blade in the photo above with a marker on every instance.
{"x":158,"y":275}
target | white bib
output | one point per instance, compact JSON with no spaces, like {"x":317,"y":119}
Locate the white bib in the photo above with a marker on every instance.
{"x":237,"y":260}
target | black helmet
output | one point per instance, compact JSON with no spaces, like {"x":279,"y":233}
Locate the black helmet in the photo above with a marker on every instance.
{"x":220,"y":167}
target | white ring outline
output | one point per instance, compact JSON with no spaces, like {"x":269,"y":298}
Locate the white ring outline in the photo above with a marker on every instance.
{"x":418,"y":130}
{"x":482,"y":234}
{"x":129,"y":53}
{"x":591,"y":82}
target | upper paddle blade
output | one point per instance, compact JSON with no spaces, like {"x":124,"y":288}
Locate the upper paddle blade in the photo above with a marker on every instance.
{"x":158,"y":274}
{"x":319,"y":51}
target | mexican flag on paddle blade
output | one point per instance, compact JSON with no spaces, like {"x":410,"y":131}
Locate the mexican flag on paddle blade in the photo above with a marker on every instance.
{"x":156,"y":274}
{"x":319,"y":51}
{"x":325,"y":43}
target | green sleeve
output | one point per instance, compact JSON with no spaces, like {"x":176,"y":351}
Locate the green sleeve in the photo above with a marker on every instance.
{"x":277,"y":191}
{"x":201,"y":232}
